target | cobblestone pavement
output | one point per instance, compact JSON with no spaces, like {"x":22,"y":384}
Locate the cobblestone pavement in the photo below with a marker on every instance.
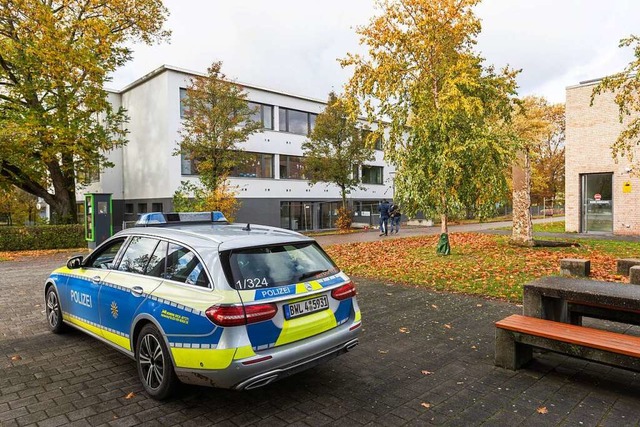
{"x":425,"y":358}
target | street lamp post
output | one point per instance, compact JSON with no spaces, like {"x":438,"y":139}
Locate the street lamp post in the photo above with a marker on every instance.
{"x":392,"y":174}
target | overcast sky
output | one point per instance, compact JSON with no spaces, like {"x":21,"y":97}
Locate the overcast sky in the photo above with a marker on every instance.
{"x":293,"y":45}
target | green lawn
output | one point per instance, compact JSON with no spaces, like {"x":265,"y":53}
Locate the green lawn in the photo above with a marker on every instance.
{"x":550,"y":227}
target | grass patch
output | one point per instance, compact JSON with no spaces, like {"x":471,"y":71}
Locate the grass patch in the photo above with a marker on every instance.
{"x":549,"y":227}
{"x":480,"y":264}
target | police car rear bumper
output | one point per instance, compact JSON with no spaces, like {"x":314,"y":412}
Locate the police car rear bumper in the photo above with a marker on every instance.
{"x":278,"y":363}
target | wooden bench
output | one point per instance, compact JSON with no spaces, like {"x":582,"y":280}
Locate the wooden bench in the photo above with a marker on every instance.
{"x":516,"y":336}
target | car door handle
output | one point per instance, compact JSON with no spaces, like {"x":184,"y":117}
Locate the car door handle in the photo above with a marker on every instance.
{"x":96,"y":280}
{"x":137,"y":291}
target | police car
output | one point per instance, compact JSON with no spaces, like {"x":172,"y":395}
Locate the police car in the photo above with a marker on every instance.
{"x":193,"y":298}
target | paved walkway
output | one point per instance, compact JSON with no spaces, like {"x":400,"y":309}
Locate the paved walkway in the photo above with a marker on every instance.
{"x":425,"y":358}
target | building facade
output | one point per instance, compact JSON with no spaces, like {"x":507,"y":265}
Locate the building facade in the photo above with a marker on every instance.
{"x":601,"y":193}
{"x":271,"y":190}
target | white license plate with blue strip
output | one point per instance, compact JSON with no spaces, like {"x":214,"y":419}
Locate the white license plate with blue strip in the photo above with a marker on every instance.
{"x":308,"y":306}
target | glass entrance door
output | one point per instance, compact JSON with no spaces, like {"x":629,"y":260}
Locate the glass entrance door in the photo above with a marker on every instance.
{"x":597,"y":203}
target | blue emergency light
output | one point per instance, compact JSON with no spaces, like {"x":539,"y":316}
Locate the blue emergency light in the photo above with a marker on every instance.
{"x":164,"y":219}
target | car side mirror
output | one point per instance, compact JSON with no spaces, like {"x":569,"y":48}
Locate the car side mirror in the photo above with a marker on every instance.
{"x":74,"y":262}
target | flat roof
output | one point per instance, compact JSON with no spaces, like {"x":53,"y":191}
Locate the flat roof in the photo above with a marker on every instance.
{"x":166,"y":67}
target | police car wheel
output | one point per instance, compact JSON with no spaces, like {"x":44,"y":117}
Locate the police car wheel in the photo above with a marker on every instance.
{"x":53,"y":311}
{"x":155,"y":368}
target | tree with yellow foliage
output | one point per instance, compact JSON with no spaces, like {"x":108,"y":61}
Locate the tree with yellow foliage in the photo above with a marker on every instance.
{"x":55,"y":120}
{"x":446,"y":109}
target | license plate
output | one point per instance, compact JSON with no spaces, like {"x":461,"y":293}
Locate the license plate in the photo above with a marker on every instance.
{"x":301,"y":308}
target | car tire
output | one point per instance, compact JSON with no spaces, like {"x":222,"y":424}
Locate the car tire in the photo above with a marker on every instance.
{"x":54,"y":311}
{"x":155,"y":367}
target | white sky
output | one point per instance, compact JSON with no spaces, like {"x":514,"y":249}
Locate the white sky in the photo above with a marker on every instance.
{"x":293,"y":45}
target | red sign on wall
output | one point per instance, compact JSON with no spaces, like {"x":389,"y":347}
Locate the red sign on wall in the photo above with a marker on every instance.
{"x":597,"y":196}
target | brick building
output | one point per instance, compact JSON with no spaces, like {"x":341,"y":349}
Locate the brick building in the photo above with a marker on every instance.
{"x":601,"y":195}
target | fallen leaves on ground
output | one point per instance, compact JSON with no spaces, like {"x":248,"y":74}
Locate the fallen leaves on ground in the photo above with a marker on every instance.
{"x":426,"y":405}
{"x":542,"y":410}
{"x":404,"y":330}
{"x":10,"y":256}
{"x":16,"y":358}
{"x":426,"y":372}
{"x":480,"y":264}
{"x":130,"y":395}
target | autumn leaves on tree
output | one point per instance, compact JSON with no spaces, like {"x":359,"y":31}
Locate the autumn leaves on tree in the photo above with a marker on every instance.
{"x":55,"y":119}
{"x":446,"y":109}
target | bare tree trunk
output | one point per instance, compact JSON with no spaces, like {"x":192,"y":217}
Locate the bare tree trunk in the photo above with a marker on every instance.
{"x":522,"y":234}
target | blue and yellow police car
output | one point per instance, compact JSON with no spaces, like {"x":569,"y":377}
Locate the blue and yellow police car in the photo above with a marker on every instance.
{"x":195,"y":299}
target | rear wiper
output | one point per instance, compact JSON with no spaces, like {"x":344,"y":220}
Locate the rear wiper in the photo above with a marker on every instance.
{"x":311,"y":274}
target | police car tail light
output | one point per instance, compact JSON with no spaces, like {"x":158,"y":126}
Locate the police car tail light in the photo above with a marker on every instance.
{"x":345,"y":291}
{"x":237,"y":315}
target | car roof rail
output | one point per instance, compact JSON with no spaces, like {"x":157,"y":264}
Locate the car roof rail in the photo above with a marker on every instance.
{"x":161,"y":219}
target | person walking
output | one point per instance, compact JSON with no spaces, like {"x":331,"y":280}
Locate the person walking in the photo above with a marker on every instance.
{"x":394,"y":217}
{"x":383,"y":208}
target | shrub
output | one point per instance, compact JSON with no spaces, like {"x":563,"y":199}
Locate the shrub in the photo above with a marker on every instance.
{"x":343,"y":221}
{"x":42,"y":237}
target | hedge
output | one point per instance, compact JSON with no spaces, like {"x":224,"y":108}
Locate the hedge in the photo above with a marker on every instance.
{"x":39,"y":237}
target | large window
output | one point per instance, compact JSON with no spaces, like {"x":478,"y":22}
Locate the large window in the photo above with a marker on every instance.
{"x":262,"y":114}
{"x":378,"y":142}
{"x":298,"y":122}
{"x":291,"y":167}
{"x":371,"y":174}
{"x":254,"y":165}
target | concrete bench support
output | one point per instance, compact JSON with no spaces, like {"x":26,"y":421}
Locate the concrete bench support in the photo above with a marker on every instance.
{"x":575,"y":267}
{"x":623,"y":265}
{"x":634,"y":275}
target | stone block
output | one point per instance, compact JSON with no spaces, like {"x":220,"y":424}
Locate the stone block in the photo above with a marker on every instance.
{"x":623,"y":265}
{"x":575,"y":267}
{"x":634,"y":275}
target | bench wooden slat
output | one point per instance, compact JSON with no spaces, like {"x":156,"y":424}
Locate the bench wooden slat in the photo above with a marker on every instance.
{"x":572,"y":334}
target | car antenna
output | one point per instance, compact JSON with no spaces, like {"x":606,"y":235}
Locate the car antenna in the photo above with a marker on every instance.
{"x":247,"y":228}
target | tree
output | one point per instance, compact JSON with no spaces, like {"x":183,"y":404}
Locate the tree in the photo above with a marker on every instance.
{"x":55,"y":120}
{"x":626,"y":87}
{"x":446,"y":109}
{"x":217,"y":120}
{"x":532,"y":123}
{"x":17,"y":207}
{"x":337,"y":148}
{"x":547,"y":173}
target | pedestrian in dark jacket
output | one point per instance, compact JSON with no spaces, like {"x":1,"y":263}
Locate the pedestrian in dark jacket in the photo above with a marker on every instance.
{"x":383,"y":208}
{"x":394,"y":217}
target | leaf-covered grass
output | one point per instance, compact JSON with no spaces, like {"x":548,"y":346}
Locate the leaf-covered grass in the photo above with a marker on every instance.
{"x":550,"y":227}
{"x":480,"y":264}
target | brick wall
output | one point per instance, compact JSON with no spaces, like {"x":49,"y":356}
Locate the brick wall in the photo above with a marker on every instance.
{"x":590,"y":132}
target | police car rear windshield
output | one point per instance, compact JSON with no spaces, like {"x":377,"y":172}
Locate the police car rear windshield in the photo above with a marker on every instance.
{"x":278,"y":265}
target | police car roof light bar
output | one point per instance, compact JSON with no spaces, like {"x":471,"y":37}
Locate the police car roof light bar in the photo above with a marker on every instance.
{"x":174,"y":218}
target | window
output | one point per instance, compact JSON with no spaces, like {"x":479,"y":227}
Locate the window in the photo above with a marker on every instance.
{"x":298,"y":122}
{"x":291,"y":167}
{"x":138,"y":254}
{"x":378,"y":142}
{"x":188,"y":166}
{"x":183,"y":95}
{"x":142,"y":208}
{"x":156,"y":207}
{"x":254,"y":165}
{"x":89,"y":175}
{"x":103,"y":257}
{"x":262,"y":114}
{"x":157,"y":261}
{"x":128,"y":208}
{"x":185,"y":267}
{"x":278,"y":265}
{"x":372,"y":174}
